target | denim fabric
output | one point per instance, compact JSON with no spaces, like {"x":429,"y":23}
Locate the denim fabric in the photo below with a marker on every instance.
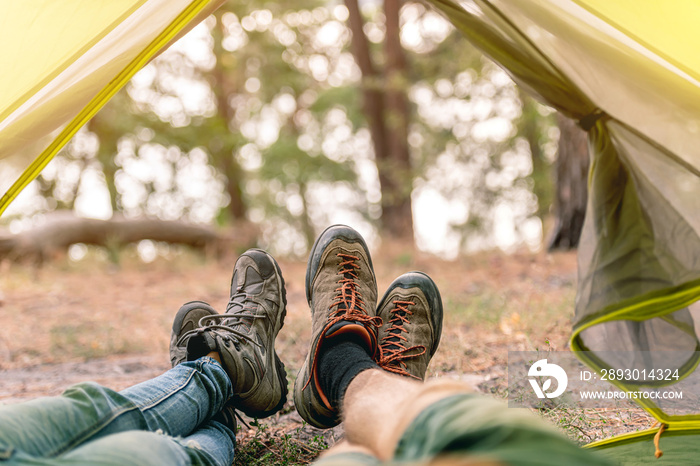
{"x":165,"y":420}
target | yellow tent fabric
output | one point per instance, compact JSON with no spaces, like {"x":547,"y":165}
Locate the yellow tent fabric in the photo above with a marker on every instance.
{"x":629,"y":72}
{"x":62,"y":61}
{"x":667,"y":30}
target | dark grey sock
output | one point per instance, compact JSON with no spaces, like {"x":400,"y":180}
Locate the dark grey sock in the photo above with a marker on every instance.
{"x":339,"y":362}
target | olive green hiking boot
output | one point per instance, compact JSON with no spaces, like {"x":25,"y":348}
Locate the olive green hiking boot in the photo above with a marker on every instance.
{"x":244,"y":336}
{"x":187,"y":319}
{"x":411,"y":310}
{"x":342,"y":291}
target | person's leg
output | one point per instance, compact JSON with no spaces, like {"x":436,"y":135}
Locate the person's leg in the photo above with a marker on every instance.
{"x":247,"y":375}
{"x":378,"y":407}
{"x":403,"y":420}
{"x":342,"y":293}
{"x":212,"y":445}
{"x":176,"y":403}
{"x":411,"y":311}
{"x":390,"y":413}
{"x":344,"y":453}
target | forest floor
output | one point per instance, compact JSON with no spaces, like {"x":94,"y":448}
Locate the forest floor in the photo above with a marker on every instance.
{"x":68,"y":322}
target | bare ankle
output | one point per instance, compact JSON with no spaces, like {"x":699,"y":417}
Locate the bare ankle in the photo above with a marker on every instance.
{"x":215,"y":355}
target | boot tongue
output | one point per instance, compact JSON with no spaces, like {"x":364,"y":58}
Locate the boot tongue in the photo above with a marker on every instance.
{"x":253,"y":282}
{"x":393,"y":342}
{"x":252,"y":285}
{"x":347,"y":293}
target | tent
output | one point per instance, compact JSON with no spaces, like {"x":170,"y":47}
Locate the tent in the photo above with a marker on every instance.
{"x":627,"y":71}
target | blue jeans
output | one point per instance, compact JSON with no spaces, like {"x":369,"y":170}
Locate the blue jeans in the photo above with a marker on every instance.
{"x":166,"y":420}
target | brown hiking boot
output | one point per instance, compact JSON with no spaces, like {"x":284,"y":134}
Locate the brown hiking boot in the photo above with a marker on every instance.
{"x":411,"y":310}
{"x":244,"y":336}
{"x":342,"y":291}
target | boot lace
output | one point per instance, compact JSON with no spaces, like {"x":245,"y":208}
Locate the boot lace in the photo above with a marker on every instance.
{"x":232,"y":326}
{"x":348,"y":302}
{"x":393,"y":351}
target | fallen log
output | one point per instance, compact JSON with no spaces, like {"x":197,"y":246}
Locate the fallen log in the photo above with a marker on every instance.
{"x":62,"y":230}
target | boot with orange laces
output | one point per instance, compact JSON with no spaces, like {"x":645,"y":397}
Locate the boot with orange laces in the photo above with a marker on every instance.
{"x":411,"y":310}
{"x":342,"y":292}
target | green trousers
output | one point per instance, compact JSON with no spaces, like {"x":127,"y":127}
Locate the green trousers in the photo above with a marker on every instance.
{"x":472,"y":429}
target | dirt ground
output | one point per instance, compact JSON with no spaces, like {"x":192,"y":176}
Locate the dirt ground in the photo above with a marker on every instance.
{"x":91,"y":320}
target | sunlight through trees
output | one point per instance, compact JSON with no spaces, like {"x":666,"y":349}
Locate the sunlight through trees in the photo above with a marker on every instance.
{"x":296,"y":115}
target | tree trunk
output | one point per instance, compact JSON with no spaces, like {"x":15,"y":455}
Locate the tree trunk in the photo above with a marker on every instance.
{"x":531,"y":128}
{"x":108,"y":137}
{"x":372,"y":96}
{"x":306,"y":226}
{"x":233,"y":173}
{"x":223,"y":153}
{"x":572,"y":185}
{"x":385,"y":107}
{"x":395,"y":164}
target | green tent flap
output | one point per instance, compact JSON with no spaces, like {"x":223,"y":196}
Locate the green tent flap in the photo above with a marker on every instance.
{"x":628,"y":72}
{"x":678,"y":445}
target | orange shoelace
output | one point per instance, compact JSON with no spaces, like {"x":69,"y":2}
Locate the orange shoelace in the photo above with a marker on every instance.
{"x":393,"y":352}
{"x":657,"y":439}
{"x":348,"y":303}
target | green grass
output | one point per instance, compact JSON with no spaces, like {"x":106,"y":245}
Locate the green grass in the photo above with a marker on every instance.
{"x":271,"y":448}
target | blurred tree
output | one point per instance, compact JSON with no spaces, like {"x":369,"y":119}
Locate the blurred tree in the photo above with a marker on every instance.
{"x":450,"y":123}
{"x":572,"y":185}
{"x":226,"y":82}
{"x":477,"y":142}
{"x":256,"y":116}
{"x":386,"y":108}
{"x":109,"y":125}
{"x":535,"y":126}
{"x":242,"y":95}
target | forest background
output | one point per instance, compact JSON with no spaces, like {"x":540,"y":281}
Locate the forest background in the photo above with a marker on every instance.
{"x":262,"y":126}
{"x":294,"y":116}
